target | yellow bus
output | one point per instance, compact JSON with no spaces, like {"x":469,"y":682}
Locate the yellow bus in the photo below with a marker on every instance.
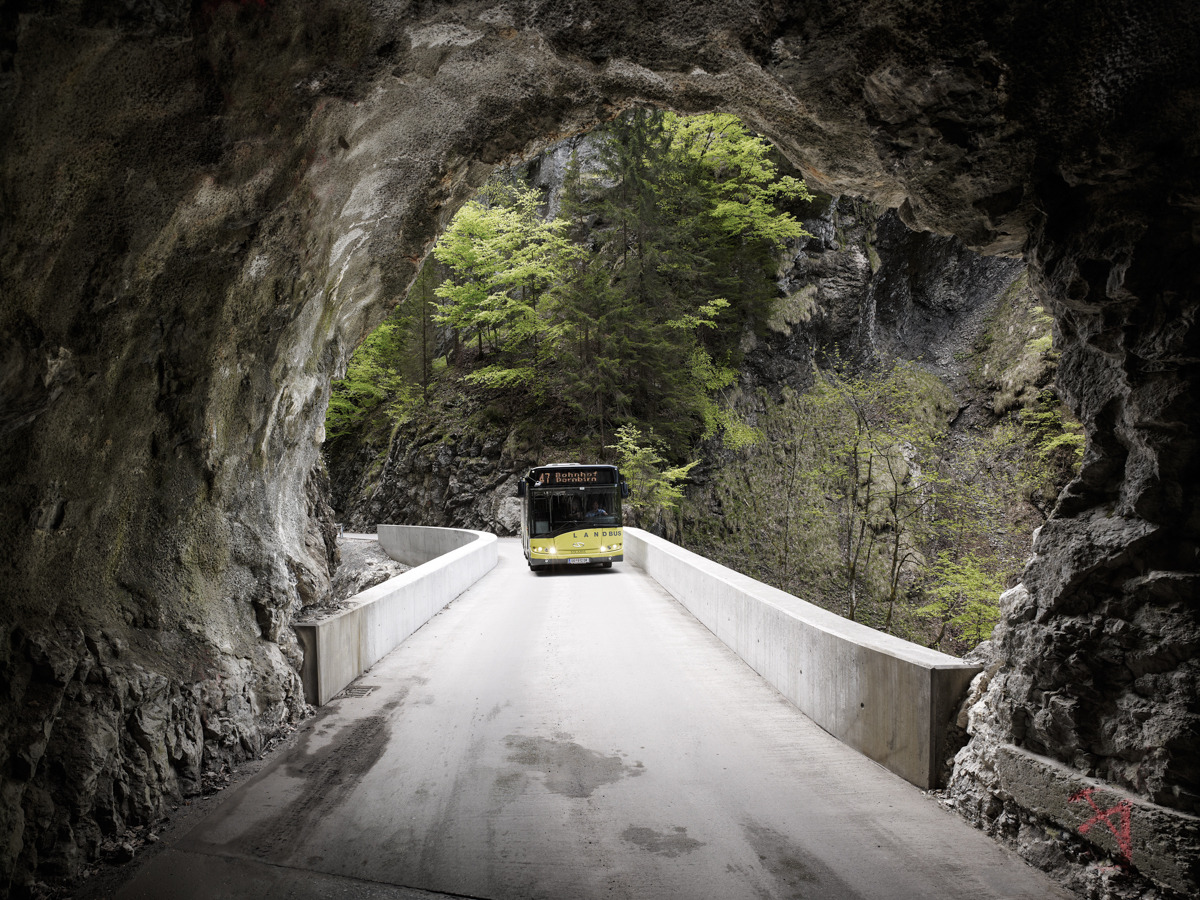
{"x":571,"y":515}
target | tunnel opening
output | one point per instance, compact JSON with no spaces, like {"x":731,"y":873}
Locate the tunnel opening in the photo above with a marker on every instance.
{"x":185,"y":270}
{"x":923,"y":363}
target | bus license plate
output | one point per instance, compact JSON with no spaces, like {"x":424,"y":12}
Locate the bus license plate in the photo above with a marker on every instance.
{"x":579,"y":560}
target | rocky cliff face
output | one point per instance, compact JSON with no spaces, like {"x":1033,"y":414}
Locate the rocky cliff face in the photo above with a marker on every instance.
{"x":868,"y":288}
{"x":432,"y":477}
{"x":204,"y":206}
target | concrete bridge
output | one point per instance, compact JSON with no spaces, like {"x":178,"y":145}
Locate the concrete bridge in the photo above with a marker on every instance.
{"x":666,"y":728}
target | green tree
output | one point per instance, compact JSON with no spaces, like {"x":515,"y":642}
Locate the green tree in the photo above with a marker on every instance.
{"x":468,"y":249}
{"x":877,"y":480}
{"x":505,"y":263}
{"x":962,"y":599}
{"x":727,"y":191}
{"x":373,"y":376}
{"x":654,"y":485}
{"x":422,"y":304}
{"x":837,"y":504}
{"x":391,"y":371}
{"x":680,"y":215}
{"x":773,"y":515}
{"x":630,"y":307}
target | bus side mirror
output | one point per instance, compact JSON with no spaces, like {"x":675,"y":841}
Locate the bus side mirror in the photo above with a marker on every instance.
{"x":520,"y":488}
{"x":624,"y":488}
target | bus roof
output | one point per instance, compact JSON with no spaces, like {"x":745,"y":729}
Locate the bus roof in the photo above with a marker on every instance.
{"x":573,"y":466}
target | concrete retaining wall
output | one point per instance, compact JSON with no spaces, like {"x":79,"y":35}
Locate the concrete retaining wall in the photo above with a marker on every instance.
{"x":885,"y":697}
{"x":339,"y":648}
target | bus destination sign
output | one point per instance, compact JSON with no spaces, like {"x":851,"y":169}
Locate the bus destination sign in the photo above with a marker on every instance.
{"x":574,"y":476}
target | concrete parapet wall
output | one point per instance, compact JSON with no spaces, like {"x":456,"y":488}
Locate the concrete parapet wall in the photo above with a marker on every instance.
{"x":340,"y":647}
{"x":417,"y":545}
{"x":887,"y":698}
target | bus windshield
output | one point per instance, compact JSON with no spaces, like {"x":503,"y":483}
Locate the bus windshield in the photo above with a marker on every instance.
{"x":557,"y":510}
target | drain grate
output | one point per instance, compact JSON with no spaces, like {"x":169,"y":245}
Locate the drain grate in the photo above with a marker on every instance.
{"x":358,"y":691}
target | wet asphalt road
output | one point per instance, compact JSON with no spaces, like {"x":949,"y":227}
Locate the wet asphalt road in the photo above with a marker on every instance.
{"x":575,"y":735}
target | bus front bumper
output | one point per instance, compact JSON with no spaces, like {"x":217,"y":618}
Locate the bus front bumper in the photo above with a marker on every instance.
{"x":544,"y":561}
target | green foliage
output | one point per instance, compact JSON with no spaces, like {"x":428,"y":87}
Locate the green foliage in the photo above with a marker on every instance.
{"x":372,"y":376}
{"x":1057,"y":443}
{"x":686,"y":241}
{"x":857,"y":500}
{"x":834,"y":498}
{"x":503,"y":259}
{"x":389,"y":373}
{"x":630,"y":306}
{"x":655,"y":489}
{"x":738,"y":180}
{"x":875,"y":479}
{"x":962,"y":594}
{"x":1041,"y":345}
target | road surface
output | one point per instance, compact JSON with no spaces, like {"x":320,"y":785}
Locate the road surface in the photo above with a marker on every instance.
{"x":576,"y":735}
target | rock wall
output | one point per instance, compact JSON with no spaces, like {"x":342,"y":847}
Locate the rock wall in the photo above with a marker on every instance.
{"x":205,"y":206}
{"x":429,"y":476}
{"x":1094,"y":666}
{"x":866,"y":287}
